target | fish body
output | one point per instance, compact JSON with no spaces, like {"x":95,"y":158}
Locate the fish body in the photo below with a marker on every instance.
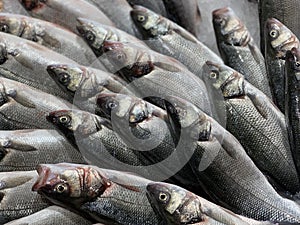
{"x":221,"y":167}
{"x":49,"y":35}
{"x":96,"y":33}
{"x":278,"y":40}
{"x":186,"y":13}
{"x":170,"y":39}
{"x":257,"y":123}
{"x":238,"y":49}
{"x":17,"y":199}
{"x":12,"y":6}
{"x":53,"y":215}
{"x":108,"y":196}
{"x":292,"y":106}
{"x":57,"y":11}
{"x":22,"y":150}
{"x":24,"y":107}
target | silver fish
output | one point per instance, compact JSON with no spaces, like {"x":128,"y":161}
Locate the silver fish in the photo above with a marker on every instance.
{"x":22,"y":150}
{"x":170,"y":39}
{"x":57,"y":11}
{"x":12,"y":6}
{"x":49,"y":35}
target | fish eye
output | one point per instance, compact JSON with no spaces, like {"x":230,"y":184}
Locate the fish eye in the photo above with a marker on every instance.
{"x":141,"y":18}
{"x":222,"y":22}
{"x":61,"y":188}
{"x":64,"y":78}
{"x":112,"y":105}
{"x":64,"y":119}
{"x":90,"y":37}
{"x":297,"y":64}
{"x":213,"y":75}
{"x":4,"y":28}
{"x":274,"y":33}
{"x":163,"y":197}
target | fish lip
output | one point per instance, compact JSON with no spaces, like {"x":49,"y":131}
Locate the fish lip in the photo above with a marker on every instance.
{"x":81,"y":21}
{"x":221,"y":11}
{"x":139,"y":8}
{"x":42,"y":171}
{"x":111,"y":45}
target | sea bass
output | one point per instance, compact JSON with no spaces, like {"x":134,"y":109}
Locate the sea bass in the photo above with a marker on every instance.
{"x":57,"y":11}
{"x":108,"y":196}
{"x":257,"y":123}
{"x":238,"y":49}
{"x":22,"y":150}
{"x":278,"y":40}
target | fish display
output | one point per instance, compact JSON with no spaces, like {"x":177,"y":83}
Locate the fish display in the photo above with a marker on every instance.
{"x":139,"y":112}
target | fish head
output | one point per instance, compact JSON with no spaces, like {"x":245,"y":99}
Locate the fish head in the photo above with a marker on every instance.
{"x":278,"y":38}
{"x":31,"y":5}
{"x":292,"y":63}
{"x":186,"y":115}
{"x":229,"y":28}
{"x":173,"y":203}
{"x":69,"y":183}
{"x":68,"y":77}
{"x":149,"y":23}
{"x":76,"y":123}
{"x":224,"y":78}
{"x":3,"y":95}
{"x":94,"y":34}
{"x":11,"y":25}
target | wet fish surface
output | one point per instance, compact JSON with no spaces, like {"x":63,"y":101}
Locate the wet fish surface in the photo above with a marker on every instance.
{"x":22,"y":150}
{"x":257,"y":123}
{"x":238,"y":49}
{"x":57,"y":11}
{"x":156,"y":6}
{"x":49,"y":35}
{"x":170,"y":39}
{"x":278,"y":40}
{"x":111,"y":196}
{"x":12,"y":6}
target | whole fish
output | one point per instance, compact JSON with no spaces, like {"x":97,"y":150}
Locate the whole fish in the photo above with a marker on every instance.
{"x":26,"y":62}
{"x":278,"y":40}
{"x":156,"y":6}
{"x":24,"y":107}
{"x":222,"y":168}
{"x":50,"y":35}
{"x":83,"y":84}
{"x":170,"y":39}
{"x":12,"y":6}
{"x":238,"y":50}
{"x":257,"y":123}
{"x":22,"y":150}
{"x":53,"y":215}
{"x":292,"y":66}
{"x":186,"y":13}
{"x":108,"y":196}
{"x":120,"y":15}
{"x":16,"y":198}
{"x":286,"y":11}
{"x":57,"y":11}
{"x":154,"y":77}
{"x":179,"y":206}
{"x":95,"y":34}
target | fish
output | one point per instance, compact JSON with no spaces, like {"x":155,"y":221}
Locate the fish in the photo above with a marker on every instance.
{"x":278,"y":40}
{"x":12,"y":6}
{"x":24,"y":107}
{"x":22,"y":150}
{"x":83,"y":84}
{"x":26,"y":62}
{"x":49,"y":35}
{"x":257,"y":123}
{"x":156,"y":6}
{"x":168,"y":38}
{"x":52,"y":215}
{"x":292,"y":68}
{"x":219,"y":161}
{"x":185,"y":13}
{"x":112,"y":197}
{"x":156,"y":76}
{"x":179,"y":206}
{"x":56,"y":11}
{"x":96,"y":33}
{"x":120,"y":16}
{"x":286,"y":11}
{"x":16,"y":198}
{"x":238,"y":49}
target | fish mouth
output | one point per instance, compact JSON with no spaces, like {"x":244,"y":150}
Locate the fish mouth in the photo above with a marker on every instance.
{"x":221,"y":11}
{"x":44,"y":173}
{"x":30,"y":4}
{"x":138,"y":8}
{"x":111,"y":45}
